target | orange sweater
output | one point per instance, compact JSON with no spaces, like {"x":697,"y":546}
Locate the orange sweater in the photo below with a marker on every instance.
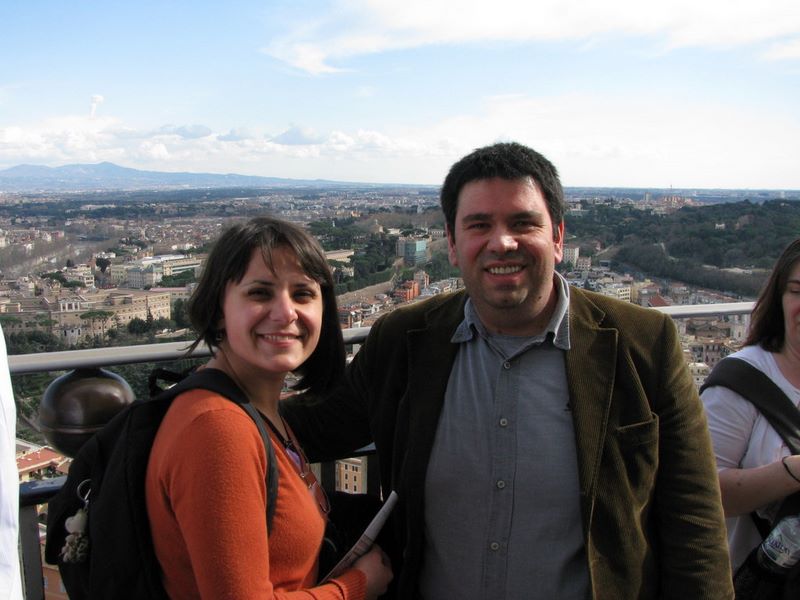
{"x":206,"y":500}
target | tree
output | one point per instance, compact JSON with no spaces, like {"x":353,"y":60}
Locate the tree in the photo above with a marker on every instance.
{"x":137,"y":326}
{"x":55,"y":276}
{"x":70,"y":263}
{"x":102,"y":264}
{"x":180,"y":313}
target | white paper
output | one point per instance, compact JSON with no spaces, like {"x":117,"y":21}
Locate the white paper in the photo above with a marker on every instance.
{"x":364,"y":543}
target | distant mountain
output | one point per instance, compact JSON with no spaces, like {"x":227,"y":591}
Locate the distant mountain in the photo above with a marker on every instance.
{"x":108,"y":176}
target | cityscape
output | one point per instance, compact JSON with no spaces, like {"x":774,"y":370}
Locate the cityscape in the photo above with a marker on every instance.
{"x":87,"y":269}
{"x":131,"y":136}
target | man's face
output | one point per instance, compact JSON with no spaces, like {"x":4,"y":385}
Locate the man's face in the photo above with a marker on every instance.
{"x":504,"y":244}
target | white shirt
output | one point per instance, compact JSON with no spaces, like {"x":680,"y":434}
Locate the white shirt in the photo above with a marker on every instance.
{"x":744,"y":439}
{"x":10,"y":577}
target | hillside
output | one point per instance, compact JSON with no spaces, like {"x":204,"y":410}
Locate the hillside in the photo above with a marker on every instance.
{"x":722,"y":246}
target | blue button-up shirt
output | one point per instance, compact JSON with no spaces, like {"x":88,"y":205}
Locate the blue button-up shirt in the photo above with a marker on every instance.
{"x":502,"y":512}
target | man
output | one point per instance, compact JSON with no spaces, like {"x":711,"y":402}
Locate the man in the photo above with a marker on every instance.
{"x":10,"y":575}
{"x":545,"y":442}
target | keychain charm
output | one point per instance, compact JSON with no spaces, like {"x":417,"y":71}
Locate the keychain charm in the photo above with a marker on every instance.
{"x":76,"y":546}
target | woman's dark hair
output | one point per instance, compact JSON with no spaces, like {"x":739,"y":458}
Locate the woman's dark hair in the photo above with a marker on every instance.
{"x":766,"y":321}
{"x":228,"y":262}
{"x":507,"y":160}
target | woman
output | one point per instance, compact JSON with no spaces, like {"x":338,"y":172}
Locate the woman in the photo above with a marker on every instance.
{"x":755,"y":470}
{"x":265,"y":305}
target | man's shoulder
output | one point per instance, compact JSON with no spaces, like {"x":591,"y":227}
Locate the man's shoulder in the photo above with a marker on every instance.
{"x":612,"y":310}
{"x":422,"y":311}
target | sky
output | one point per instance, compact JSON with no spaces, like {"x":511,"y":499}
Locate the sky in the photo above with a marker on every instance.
{"x":616,"y":93}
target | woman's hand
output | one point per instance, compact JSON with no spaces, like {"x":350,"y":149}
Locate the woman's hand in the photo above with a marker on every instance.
{"x":376,"y":565}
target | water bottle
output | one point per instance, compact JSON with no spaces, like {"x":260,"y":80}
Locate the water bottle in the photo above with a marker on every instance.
{"x":762,"y":575}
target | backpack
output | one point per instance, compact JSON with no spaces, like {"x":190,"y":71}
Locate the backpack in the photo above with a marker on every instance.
{"x":120,"y":561}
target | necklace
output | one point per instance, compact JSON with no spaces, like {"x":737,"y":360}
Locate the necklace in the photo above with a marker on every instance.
{"x":290,"y":447}
{"x":293,"y":450}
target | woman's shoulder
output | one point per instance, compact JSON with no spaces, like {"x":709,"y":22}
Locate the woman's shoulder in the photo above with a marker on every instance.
{"x":761,"y":359}
{"x":201,"y":410}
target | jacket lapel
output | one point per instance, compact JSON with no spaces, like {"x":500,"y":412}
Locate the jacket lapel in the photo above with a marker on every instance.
{"x":591,"y":367}
{"x":431,"y":356}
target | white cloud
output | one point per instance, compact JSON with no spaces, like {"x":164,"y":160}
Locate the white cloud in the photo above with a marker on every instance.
{"x":595,"y":141}
{"x":97,"y":100}
{"x":298,"y":136}
{"x":237,"y":134}
{"x":357,"y":27}
{"x":189,"y":132}
{"x":784,"y":50}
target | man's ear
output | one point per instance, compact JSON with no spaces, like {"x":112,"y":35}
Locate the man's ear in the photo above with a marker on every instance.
{"x":558,"y":243}
{"x":451,"y":246}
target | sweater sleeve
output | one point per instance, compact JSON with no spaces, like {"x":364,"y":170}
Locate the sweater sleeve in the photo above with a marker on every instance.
{"x":216,"y":489}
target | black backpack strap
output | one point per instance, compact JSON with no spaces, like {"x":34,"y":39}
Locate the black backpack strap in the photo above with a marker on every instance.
{"x":756,"y":387}
{"x":763,"y":393}
{"x":221,"y":383}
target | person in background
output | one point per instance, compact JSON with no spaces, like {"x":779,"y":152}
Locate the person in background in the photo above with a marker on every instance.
{"x":544,"y":441}
{"x":10,"y":575}
{"x":265,"y":305}
{"x":756,"y":471}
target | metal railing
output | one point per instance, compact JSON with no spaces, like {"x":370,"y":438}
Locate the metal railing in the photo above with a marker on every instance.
{"x":34,"y":493}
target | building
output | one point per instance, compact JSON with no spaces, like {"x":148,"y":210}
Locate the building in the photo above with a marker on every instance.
{"x":413,"y":251}
{"x":141,"y":276}
{"x":82,"y":274}
{"x":406,"y":291}
{"x":583,"y":263}
{"x":41,"y":463}
{"x":699,"y":371}
{"x":571,"y":255}
{"x":351,"y":475}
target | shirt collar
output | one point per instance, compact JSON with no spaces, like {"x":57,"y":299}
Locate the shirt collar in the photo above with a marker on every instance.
{"x":558,"y":325}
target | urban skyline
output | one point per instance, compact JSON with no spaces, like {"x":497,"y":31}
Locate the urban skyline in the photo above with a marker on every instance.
{"x":619,"y":94}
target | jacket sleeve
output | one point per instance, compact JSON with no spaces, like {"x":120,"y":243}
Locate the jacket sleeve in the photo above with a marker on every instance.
{"x":335,"y":425}
{"x":693,"y":552}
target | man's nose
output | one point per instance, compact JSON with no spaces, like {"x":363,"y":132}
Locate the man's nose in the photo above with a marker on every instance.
{"x":502,"y":241}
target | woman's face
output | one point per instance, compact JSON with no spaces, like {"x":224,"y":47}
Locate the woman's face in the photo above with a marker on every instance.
{"x":791,"y":308}
{"x":272,"y":318}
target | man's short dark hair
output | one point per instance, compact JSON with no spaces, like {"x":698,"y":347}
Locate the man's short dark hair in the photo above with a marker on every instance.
{"x":507,"y":160}
{"x":228,"y":262}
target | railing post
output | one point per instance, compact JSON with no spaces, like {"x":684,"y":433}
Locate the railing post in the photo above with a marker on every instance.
{"x":32,"y":574}
{"x":373,"y":476}
{"x":328,"y":476}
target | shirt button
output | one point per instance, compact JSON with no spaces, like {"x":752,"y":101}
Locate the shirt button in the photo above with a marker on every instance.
{"x":503,"y":422}
{"x":507,"y":365}
{"x":494,"y":546}
{"x":500,"y":484}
